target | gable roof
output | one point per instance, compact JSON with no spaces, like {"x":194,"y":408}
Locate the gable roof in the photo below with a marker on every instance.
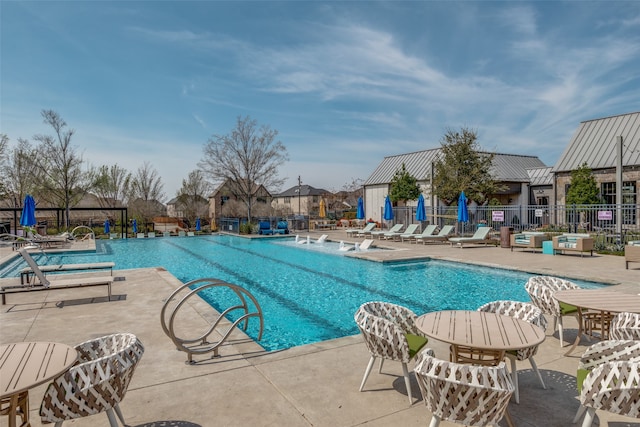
{"x":594,"y":143}
{"x":505,"y":167}
{"x":305,"y":190}
{"x":541,"y":176}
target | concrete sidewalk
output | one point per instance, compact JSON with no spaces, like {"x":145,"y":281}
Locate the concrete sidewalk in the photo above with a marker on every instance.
{"x":312,"y":385}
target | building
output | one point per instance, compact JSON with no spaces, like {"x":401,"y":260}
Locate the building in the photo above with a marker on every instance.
{"x":225,"y":202}
{"x":299,"y":200}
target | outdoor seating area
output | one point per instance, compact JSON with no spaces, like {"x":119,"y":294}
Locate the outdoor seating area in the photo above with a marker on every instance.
{"x":573,"y":242}
{"x":528,"y":240}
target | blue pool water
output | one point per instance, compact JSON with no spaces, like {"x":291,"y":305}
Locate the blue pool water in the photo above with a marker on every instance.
{"x":306,"y":295}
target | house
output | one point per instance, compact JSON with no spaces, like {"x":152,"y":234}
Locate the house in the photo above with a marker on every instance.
{"x":299,"y":200}
{"x":225,"y":201}
{"x":510,"y":170}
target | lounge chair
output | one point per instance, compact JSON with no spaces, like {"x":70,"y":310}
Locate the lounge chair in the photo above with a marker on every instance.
{"x":322,"y":238}
{"x":151,"y":234}
{"x":264,"y":228}
{"x":140,"y":235}
{"x":27,"y":272}
{"x":411,"y":229}
{"x":367,"y":228}
{"x":181,"y":233}
{"x":395,"y":229}
{"x":428,"y":231}
{"x":46,"y":284}
{"x":442,"y":236}
{"x":366,"y":244}
{"x":480,"y":236}
{"x":366,"y":231}
{"x":190,"y":234}
{"x":166,"y":234}
{"x":282,"y":228}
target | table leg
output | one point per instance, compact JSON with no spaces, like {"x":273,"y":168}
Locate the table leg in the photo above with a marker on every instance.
{"x":579,"y":335}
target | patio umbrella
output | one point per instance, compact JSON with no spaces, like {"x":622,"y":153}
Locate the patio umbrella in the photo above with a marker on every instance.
{"x":197,"y":224}
{"x":360,"y":211}
{"x":134,"y":226}
{"x":421,"y":213}
{"x":463,"y":214}
{"x":28,"y":218}
{"x":107,"y":227}
{"x":323,"y":210}
{"x":388,"y":209}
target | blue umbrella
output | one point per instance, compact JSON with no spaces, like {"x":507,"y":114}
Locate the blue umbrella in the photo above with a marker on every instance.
{"x":197,"y":224}
{"x":360,"y":211}
{"x":421,"y":213}
{"x":28,"y":218}
{"x":107,"y":227}
{"x":135,"y":226}
{"x":388,"y":209}
{"x":463,"y":213}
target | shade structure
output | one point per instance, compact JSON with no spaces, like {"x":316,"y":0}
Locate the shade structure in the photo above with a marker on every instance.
{"x":134,"y":226}
{"x":198,"y":224}
{"x":107,"y":227}
{"x":421,"y":213}
{"x":323,"y":210}
{"x":28,"y":218}
{"x":388,"y":209}
{"x":463,"y":213}
{"x":360,"y":211}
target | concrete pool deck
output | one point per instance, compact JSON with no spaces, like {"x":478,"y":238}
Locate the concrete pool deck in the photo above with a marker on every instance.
{"x":312,"y":385}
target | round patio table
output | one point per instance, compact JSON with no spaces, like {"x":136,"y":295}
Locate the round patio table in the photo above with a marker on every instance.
{"x":26,"y":365}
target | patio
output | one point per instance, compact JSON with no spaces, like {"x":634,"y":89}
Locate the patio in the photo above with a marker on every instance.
{"x":313,"y":385}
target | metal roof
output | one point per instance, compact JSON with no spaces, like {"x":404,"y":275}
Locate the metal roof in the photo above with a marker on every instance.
{"x":594,"y":143}
{"x":305,"y":190}
{"x":505,"y":167}
{"x":541,"y":176}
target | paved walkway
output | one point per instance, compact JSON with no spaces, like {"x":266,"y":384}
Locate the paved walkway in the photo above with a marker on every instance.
{"x":312,"y":385}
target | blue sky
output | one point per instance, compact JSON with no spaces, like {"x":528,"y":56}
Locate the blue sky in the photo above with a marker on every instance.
{"x":344,"y":83}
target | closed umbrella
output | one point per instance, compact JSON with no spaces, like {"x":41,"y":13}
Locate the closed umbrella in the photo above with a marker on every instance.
{"x":388,"y":209}
{"x":360,"y":211}
{"x":197,"y":224}
{"x":463,"y":213}
{"x":323,"y":210}
{"x":28,"y":218}
{"x":107,"y":227}
{"x":134,"y":226}
{"x":421,"y":213}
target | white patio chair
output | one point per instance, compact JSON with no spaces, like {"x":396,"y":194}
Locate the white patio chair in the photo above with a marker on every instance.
{"x":625,"y":326}
{"x":529,"y":313}
{"x":465,"y":394}
{"x":541,"y":290}
{"x":389,"y":332}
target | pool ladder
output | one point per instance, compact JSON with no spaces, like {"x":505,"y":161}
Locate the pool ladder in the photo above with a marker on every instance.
{"x":200,"y":344}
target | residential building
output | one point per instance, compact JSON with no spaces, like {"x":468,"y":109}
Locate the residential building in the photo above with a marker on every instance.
{"x":299,"y":200}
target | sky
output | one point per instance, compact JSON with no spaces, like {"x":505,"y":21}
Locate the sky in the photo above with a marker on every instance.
{"x":344,"y":83}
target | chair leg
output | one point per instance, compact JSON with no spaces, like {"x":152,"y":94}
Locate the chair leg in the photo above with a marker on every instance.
{"x":380,"y":367}
{"x":407,"y":382}
{"x":514,"y":379}
{"x":112,"y":418}
{"x":588,"y":417}
{"x":579,"y":413}
{"x":560,"y":331}
{"x":116,"y":407}
{"x":367,"y":371}
{"x":535,"y":368}
{"x":435,"y":421}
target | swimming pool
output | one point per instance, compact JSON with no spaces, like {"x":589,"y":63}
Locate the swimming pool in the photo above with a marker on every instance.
{"x":306,"y":296}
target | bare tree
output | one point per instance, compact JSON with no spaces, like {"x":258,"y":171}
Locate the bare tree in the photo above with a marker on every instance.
{"x":63,"y":180}
{"x":20,"y":176}
{"x":192,"y":196}
{"x":111,"y":185}
{"x":146,"y":192}
{"x":246,"y":158}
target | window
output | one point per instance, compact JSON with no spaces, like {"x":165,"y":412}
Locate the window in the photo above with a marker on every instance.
{"x":223,"y":200}
{"x":629,"y":197}
{"x":287,"y":200}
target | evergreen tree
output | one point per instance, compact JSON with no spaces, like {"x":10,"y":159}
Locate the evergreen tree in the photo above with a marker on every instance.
{"x":583,"y":189}
{"x":404,"y":186}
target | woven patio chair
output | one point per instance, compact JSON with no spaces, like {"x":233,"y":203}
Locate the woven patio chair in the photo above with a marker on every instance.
{"x":529,"y":313}
{"x":464,"y":394}
{"x":608,"y":378}
{"x":389,"y":332}
{"x":541,"y":290}
{"x":625,"y":326}
{"x":96,"y":383}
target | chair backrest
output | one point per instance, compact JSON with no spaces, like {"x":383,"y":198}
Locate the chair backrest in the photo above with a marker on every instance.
{"x":282,"y":225}
{"x":610,"y":351}
{"x":411,"y":228}
{"x":366,"y":244}
{"x":34,"y":267}
{"x":468,"y":394}
{"x":166,"y":234}
{"x":151,"y":234}
{"x":181,"y":233}
{"x":264,"y":225}
{"x":370,"y":226}
{"x":481,"y":233}
{"x":541,"y":290}
{"x":396,"y":228}
{"x":445,"y":231}
{"x":97,"y":382}
{"x":322,"y":238}
{"x":140,"y":235}
{"x":429,"y":229}
{"x":625,"y":326}
{"x":613,"y":387}
{"x":383,"y":326}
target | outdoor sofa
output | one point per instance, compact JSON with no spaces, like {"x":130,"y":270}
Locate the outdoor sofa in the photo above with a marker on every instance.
{"x":632,"y":252}
{"x":576,"y":242}
{"x":528,"y":240}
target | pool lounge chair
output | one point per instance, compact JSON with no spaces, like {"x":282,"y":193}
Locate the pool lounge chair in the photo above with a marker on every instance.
{"x":428,"y":231}
{"x":140,"y":235}
{"x":442,"y":236}
{"x":480,"y":236}
{"x":322,"y":238}
{"x":151,"y":234}
{"x":282,"y":228}
{"x":411,"y":229}
{"x":264,"y":228}
{"x":367,"y":229}
{"x":395,"y":229}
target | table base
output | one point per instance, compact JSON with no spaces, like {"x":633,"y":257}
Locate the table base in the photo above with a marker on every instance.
{"x":15,"y":406}
{"x":476,"y":356}
{"x":589,"y":322}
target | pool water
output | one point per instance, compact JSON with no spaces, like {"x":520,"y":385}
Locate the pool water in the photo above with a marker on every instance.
{"x":307,"y":293}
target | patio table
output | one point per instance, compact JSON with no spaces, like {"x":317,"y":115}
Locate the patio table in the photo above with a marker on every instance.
{"x":603,"y":301}
{"x":26,"y":365}
{"x":479,"y":331}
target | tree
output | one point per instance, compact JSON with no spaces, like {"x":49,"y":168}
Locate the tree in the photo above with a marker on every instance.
{"x":583,"y":189}
{"x":463,"y":167}
{"x":4,"y":165}
{"x":21,"y":173}
{"x":146,"y":192}
{"x":192,"y":196}
{"x":245,"y":159}
{"x":111,"y":184}
{"x":404,"y":186}
{"x":63,"y":180}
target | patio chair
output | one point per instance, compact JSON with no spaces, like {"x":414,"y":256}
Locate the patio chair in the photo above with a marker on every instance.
{"x":625,"y":326}
{"x":389,"y":332}
{"x":541,"y":290}
{"x":529,"y":313}
{"x":322,"y":238}
{"x":411,"y":229}
{"x":264,"y":228}
{"x":480,"y":236}
{"x":428,"y":231}
{"x":607,"y":379}
{"x":97,"y":383}
{"x":281,"y":228}
{"x":442,"y":236}
{"x":461,"y":393}
{"x":361,"y":231}
{"x":379,"y":234}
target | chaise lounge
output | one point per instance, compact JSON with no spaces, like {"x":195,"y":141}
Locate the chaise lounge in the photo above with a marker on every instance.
{"x":264,"y":228}
{"x":282,"y":228}
{"x":480,"y":236}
